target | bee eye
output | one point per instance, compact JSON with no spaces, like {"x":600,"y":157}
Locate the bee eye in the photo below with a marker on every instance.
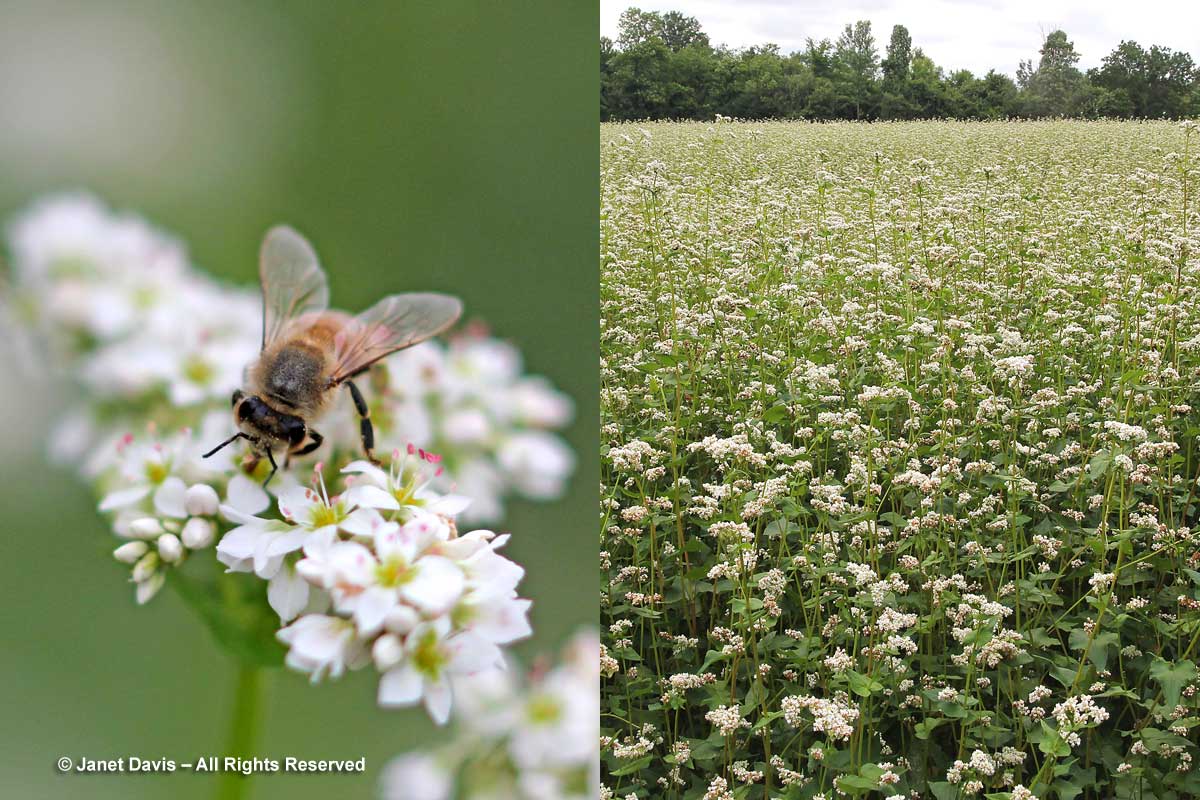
{"x":238,"y":394}
{"x":249,"y":408}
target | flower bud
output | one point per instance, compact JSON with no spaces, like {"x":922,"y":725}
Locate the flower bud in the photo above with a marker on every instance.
{"x":130,"y":552}
{"x":201,"y":500}
{"x":198,"y":533}
{"x":149,"y":587}
{"x":387,"y":651}
{"x":169,"y":548}
{"x":145,"y":528}
{"x":401,"y":619}
{"x":144,"y":568}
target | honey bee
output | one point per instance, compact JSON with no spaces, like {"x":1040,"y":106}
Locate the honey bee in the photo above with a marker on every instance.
{"x":309,"y":351}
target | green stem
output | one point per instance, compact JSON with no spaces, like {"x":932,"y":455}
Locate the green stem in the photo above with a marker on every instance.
{"x":244,"y":724}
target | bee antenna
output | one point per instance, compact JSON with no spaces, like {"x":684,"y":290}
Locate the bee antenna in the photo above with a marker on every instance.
{"x":228,"y":441}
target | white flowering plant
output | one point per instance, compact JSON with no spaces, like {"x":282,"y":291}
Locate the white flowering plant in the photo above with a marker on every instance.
{"x":338,"y":561}
{"x":900,"y":460}
{"x":530,"y":738}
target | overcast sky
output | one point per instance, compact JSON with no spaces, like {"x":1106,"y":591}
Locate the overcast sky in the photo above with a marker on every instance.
{"x":973,"y":34}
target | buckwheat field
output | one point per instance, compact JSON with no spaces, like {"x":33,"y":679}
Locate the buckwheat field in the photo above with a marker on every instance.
{"x":900,"y":460}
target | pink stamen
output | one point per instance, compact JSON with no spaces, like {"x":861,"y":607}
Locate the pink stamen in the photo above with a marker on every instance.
{"x":318,"y":480}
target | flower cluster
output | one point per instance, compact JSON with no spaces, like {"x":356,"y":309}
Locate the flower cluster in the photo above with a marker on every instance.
{"x":535,"y":740}
{"x":379,"y":573}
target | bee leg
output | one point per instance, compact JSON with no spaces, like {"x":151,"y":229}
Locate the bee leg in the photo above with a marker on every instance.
{"x":230,"y":440}
{"x":274,"y":468}
{"x":365,"y":426}
{"x":315,"y":442}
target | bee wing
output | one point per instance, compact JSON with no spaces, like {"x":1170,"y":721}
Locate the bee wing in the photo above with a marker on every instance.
{"x":293,"y":282}
{"x":394,"y":323}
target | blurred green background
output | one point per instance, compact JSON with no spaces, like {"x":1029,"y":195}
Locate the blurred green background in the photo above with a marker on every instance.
{"x":435,"y":145}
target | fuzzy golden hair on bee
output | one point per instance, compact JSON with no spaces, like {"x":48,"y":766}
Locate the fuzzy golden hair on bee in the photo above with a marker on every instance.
{"x":309,"y":352}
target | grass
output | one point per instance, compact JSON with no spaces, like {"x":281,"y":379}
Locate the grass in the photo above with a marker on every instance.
{"x":899,"y":460}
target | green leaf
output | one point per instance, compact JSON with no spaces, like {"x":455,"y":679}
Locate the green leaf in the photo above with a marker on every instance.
{"x":633,"y":766}
{"x":1099,"y":464}
{"x":856,"y":784}
{"x":1052,"y":744}
{"x":925,"y":727}
{"x":754,"y":697}
{"x":1101,"y":642}
{"x":1172,"y":678}
{"x":943,"y":790}
{"x":862,"y":685}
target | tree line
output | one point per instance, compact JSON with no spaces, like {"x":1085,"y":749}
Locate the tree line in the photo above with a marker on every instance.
{"x":663,"y":66}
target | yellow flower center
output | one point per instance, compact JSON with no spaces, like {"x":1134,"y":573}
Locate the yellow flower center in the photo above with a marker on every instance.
{"x":394,"y":572}
{"x":428,"y":657}
{"x":543,"y":710}
{"x":197,"y":370}
{"x":323,"y":515}
{"x":157,"y":471}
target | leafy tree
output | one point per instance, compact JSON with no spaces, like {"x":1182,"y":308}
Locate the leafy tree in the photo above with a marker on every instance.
{"x":664,"y":66}
{"x":1146,"y":83}
{"x":1056,"y":87}
{"x":678,"y":31}
{"x":898,"y":59}
{"x":640,"y":80}
{"x":696,"y":82}
{"x":607,"y":52}
{"x":999,"y":95}
{"x":636,"y":27}
{"x":926,"y":86}
{"x":673,"y":29}
{"x":895,"y":101}
{"x":859,"y":62}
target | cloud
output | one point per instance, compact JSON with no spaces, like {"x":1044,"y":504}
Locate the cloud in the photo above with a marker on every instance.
{"x":957,"y":34}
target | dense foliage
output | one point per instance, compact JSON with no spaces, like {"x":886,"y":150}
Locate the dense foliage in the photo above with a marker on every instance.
{"x":900,"y":460}
{"x":663,"y":67}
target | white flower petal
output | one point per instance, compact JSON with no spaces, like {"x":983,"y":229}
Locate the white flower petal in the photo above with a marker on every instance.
{"x":123,"y":497}
{"x":170,"y":498}
{"x":503,"y":620}
{"x":295,"y":502}
{"x":239,"y":544}
{"x":287,"y":593}
{"x":362,"y":522}
{"x":368,"y":496}
{"x":246,"y":495}
{"x":400,"y":686}
{"x":471,"y":653}
{"x":282,"y":542}
{"x":438,"y":700}
{"x":368,"y":471}
{"x":371,"y":609}
{"x":437,"y":585}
